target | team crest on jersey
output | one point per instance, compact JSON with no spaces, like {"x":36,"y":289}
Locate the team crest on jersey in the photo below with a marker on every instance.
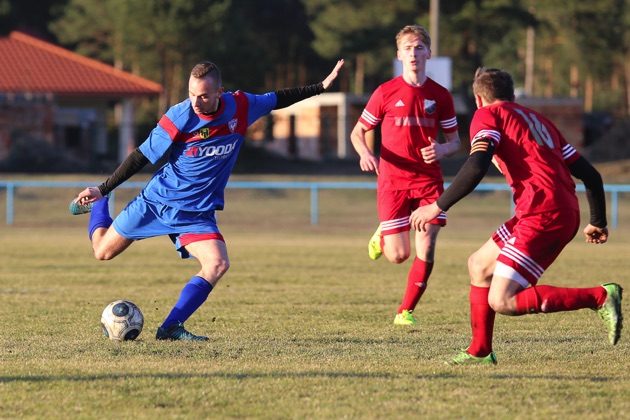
{"x":232,"y":125}
{"x":429,"y":106}
{"x":204,"y":133}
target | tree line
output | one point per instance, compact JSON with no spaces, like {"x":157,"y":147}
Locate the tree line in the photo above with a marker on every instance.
{"x":553,"y":48}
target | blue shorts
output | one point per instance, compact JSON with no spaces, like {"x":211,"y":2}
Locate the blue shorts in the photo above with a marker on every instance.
{"x":143,"y":219}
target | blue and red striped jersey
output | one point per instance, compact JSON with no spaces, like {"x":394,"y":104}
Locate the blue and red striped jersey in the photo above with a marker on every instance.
{"x":202,"y":150}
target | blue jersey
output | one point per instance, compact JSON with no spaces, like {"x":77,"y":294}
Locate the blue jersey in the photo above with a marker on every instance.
{"x":202,"y":150}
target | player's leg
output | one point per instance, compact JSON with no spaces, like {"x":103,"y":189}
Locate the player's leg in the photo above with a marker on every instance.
{"x":393,"y":243}
{"x":213,"y":257}
{"x":422,"y":265}
{"x":523,"y":261}
{"x":392,"y":235}
{"x":418,"y":275}
{"x":480,"y":267}
{"x":106,"y":242}
{"x":396,"y":247}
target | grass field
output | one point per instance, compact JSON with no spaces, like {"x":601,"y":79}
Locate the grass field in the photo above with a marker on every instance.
{"x":300,"y":326}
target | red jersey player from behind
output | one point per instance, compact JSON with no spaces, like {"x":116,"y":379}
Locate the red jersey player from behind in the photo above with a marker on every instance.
{"x":537,"y":163}
{"x":410,"y":110}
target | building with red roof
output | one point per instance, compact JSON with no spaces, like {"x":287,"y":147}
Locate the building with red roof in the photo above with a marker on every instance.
{"x":54,"y":94}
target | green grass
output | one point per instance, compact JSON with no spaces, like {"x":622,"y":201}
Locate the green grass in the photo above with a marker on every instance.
{"x":300,"y":326}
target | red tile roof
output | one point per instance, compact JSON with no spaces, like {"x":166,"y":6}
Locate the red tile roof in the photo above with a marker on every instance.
{"x":28,"y":64}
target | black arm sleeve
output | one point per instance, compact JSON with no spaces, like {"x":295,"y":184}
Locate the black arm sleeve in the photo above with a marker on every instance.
{"x":289,"y":96}
{"x":469,"y":176}
{"x":134,"y":162}
{"x":594,"y":186}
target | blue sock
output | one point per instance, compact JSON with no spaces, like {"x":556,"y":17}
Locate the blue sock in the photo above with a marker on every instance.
{"x":99,"y":217}
{"x":193,"y":295}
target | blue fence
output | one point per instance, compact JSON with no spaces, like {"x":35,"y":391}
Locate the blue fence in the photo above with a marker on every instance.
{"x":314,"y":187}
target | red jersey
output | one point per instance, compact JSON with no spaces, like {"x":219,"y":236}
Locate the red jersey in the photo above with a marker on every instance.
{"x":532,"y":155}
{"x":408,"y":115}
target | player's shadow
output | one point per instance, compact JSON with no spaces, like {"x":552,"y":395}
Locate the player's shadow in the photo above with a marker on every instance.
{"x":297,"y":375}
{"x":220,"y":375}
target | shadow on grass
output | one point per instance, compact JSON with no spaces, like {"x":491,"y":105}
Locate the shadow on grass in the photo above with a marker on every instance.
{"x":221,"y":375}
{"x":555,"y":377}
{"x":296,"y":375}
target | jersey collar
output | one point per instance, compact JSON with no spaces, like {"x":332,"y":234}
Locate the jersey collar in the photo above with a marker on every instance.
{"x":216,"y":114}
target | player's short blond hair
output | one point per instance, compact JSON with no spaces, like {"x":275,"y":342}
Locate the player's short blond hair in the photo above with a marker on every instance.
{"x":416,"y":30}
{"x":493,"y":84}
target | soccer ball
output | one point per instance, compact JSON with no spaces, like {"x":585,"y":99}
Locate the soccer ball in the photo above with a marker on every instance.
{"x":122,"y":320}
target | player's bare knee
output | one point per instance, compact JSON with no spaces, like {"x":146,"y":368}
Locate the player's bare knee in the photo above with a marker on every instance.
{"x":501,"y":305}
{"x":215,"y":269}
{"x":103,"y":254}
{"x":397,"y":257}
{"x":477,"y":269}
{"x":496,"y":304}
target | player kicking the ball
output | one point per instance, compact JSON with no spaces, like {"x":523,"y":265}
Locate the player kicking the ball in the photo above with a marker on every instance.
{"x":410,"y":109}
{"x":537,"y":163}
{"x":201,"y":138}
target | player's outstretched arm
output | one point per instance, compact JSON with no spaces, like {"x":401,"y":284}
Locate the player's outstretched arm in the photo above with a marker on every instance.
{"x":289,"y":96}
{"x":131,"y":165}
{"x":333,"y":74}
{"x":467,"y":178}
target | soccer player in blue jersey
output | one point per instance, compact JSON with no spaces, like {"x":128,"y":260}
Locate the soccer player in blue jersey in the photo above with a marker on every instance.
{"x":201,"y":137}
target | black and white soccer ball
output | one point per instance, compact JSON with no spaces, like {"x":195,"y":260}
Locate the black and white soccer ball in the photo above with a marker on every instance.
{"x":122,"y":320}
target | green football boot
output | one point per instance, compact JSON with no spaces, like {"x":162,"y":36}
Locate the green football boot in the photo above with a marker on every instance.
{"x":76,"y":208}
{"x":405,"y":318}
{"x":374,"y":246}
{"x":178,"y":332}
{"x":610,"y":312}
{"x":465,"y":358}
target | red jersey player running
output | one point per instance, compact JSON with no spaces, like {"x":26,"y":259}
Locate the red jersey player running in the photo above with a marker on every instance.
{"x":538,"y":163}
{"x":410,"y":109}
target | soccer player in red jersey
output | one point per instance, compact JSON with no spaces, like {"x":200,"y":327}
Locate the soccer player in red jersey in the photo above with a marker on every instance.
{"x":537,"y":163}
{"x":410,"y":110}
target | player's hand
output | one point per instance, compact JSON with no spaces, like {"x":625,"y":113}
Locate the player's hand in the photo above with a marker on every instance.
{"x":595,"y":235}
{"x":333,"y":74}
{"x":369,"y":163}
{"x":88,"y":195}
{"x":421,"y":216}
{"x":434,"y":152}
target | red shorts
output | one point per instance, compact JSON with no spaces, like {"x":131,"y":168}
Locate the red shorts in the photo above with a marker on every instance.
{"x":395,"y":207}
{"x":181,"y":240}
{"x":530,"y":244}
{"x":189,"y":238}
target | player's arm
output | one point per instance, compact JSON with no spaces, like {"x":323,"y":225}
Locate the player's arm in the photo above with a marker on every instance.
{"x":130,"y":166}
{"x":368,"y":162}
{"x":289,"y":96}
{"x":468,"y":177}
{"x":596,"y":231}
{"x":452,"y":143}
{"x":470,"y":174}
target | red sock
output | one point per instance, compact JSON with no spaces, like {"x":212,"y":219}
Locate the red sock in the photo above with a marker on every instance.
{"x":481,"y":321}
{"x":558,"y":299}
{"x":416,"y":284}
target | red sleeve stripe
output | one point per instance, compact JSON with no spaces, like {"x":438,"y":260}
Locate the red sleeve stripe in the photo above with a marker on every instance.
{"x":169,"y":127}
